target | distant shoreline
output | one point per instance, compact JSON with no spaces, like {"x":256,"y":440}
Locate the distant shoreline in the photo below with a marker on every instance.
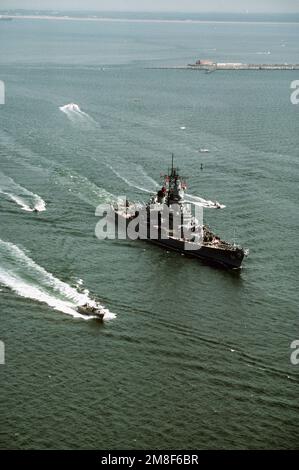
{"x":138,"y":20}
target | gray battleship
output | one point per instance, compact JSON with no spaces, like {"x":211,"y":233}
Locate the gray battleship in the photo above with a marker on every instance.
{"x":200,"y":242}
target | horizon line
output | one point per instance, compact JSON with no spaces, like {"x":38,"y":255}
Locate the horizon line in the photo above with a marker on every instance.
{"x":244,"y":12}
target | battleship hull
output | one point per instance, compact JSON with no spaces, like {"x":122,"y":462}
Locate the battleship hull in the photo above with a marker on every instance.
{"x":212,"y":254}
{"x":167,"y":221}
{"x":231,"y":259}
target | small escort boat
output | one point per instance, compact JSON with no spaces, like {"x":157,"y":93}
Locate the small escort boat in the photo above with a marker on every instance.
{"x":91,"y":311}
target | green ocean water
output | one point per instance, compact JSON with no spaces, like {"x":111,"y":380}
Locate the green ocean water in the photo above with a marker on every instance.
{"x":194,"y":357}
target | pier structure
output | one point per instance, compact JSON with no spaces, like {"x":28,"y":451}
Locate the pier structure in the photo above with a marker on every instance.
{"x":211,"y":66}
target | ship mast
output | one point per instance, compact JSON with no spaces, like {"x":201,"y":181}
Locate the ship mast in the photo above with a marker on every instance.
{"x":174,"y":185}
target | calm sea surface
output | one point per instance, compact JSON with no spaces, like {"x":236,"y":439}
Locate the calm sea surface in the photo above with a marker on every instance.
{"x":192,"y":356}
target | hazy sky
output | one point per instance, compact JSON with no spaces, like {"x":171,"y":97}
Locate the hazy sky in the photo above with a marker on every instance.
{"x":158,"y":5}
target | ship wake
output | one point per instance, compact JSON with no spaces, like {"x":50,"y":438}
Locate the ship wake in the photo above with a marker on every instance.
{"x":71,"y":181}
{"x":144,"y":183}
{"x":199,"y":201}
{"x":77,"y":116}
{"x":149,"y":185}
{"x":82,"y":187}
{"x":26,"y":278}
{"x":27,"y":200}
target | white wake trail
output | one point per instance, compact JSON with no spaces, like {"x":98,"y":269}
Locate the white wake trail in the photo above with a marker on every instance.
{"x":196,"y":200}
{"x":149,"y":178}
{"x":22,"y":275}
{"x":82,"y":188}
{"x":77,"y":116}
{"x":27,"y":200}
{"x":127,"y":181}
{"x":76,"y":184}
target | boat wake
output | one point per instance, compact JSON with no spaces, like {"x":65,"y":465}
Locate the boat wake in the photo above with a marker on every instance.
{"x":147,"y":183}
{"x":76,"y":184}
{"x":82,"y":187}
{"x":199,"y":201}
{"x":22,"y":275}
{"x":76,"y":115}
{"x":152,"y":186}
{"x":27,"y":200}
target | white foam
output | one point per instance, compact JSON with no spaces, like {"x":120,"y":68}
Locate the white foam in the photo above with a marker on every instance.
{"x":18,"y":200}
{"x":148,"y":178}
{"x":79,"y":185}
{"x":82,"y":187}
{"x":196,"y":200}
{"x":129,"y":182}
{"x":27,"y":200}
{"x":40,"y":205}
{"x":22,"y":275}
{"x":70,"y":107}
{"x":76,"y":115}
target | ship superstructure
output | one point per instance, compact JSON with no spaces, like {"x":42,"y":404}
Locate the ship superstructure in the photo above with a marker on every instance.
{"x":167,"y":220}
